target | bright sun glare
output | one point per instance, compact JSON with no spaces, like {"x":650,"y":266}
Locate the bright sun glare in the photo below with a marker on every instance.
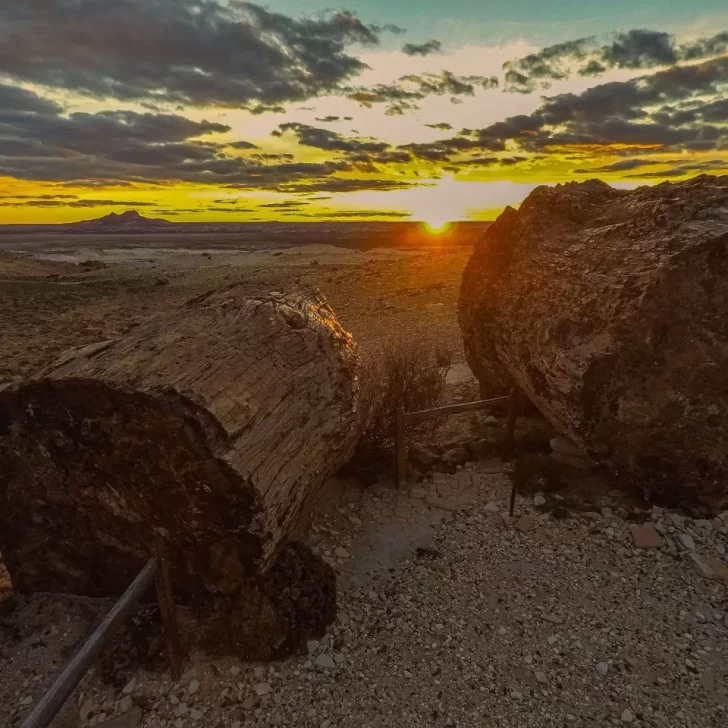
{"x":437,"y":226}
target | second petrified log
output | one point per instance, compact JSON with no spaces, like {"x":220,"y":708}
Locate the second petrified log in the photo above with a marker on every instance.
{"x":608,"y":309}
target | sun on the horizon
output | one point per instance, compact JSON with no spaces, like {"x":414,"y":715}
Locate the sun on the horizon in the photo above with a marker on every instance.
{"x":436,"y":226}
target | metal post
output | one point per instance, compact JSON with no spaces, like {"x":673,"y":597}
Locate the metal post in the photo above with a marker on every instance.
{"x":510,"y":440}
{"x":399,"y":445}
{"x":511,"y":426}
{"x":76,"y":667}
{"x":169,"y":615}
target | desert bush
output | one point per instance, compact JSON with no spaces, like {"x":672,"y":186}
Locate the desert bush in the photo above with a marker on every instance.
{"x":410,"y":374}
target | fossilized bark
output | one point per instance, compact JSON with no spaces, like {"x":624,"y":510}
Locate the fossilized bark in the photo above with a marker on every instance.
{"x":209,"y":426}
{"x":608,"y":308}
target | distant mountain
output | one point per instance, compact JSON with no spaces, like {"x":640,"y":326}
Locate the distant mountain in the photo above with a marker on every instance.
{"x":127,"y":222}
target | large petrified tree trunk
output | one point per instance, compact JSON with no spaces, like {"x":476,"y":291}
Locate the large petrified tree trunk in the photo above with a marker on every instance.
{"x":209,"y":426}
{"x":608,"y":308}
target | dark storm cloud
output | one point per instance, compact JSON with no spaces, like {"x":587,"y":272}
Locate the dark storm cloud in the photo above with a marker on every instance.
{"x":337,"y":184}
{"x":347,"y":214}
{"x":23,"y":101}
{"x":711,"y":165}
{"x":623,"y":165}
{"x":242,"y":145}
{"x":196,"y":52}
{"x":425,"y":49}
{"x":311,"y":136}
{"x":486,"y":162}
{"x":38,"y":197}
{"x":633,"y":49}
{"x":41,"y":202}
{"x":37,"y":142}
{"x":622,"y":113}
{"x":331,"y":119}
{"x":403,"y":95}
{"x":288,"y":204}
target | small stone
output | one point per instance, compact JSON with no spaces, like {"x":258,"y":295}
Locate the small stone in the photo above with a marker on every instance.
{"x":541,"y":678}
{"x":606,"y":512}
{"x":325,"y":661}
{"x":87,"y":708}
{"x":720,"y":549}
{"x":563,"y":446}
{"x":554,"y":619}
{"x":126,"y":704}
{"x":710,"y":567}
{"x":312,"y":646}
{"x":539,"y":500}
{"x":602,"y":668}
{"x":677,"y":520}
{"x":418,"y":492}
{"x":27,"y":700}
{"x":235,"y":670}
{"x":502,"y":631}
{"x":341,"y":553}
{"x":422,"y":457}
{"x":173,"y":699}
{"x":490,"y":421}
{"x":195,"y":714}
{"x":687,"y":541}
{"x":571,"y":460}
{"x":259,"y":671}
{"x":524,"y":524}
{"x":193,"y":687}
{"x":129,"y":720}
{"x":552,"y":639}
{"x":646,"y":537}
{"x":261,"y":689}
{"x":249,"y":703}
{"x":129,"y":687}
{"x":627,"y":716}
{"x":592,"y":516}
{"x":311,"y":713}
{"x":492,"y":508}
{"x":339,"y":658}
{"x":704,"y":523}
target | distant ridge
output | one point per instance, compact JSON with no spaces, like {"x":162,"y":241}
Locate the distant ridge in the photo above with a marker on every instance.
{"x":126,"y":222}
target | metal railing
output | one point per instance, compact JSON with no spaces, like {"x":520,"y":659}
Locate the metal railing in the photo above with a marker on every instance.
{"x":155,"y":570}
{"x":401,"y":418}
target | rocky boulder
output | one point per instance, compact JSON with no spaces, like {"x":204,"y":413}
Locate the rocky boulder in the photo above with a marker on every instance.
{"x":607,"y":308}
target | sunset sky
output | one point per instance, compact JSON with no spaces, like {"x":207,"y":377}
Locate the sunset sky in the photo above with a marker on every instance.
{"x":202,"y":110}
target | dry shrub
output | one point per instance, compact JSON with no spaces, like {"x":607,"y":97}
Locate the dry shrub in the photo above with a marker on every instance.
{"x":410,"y":374}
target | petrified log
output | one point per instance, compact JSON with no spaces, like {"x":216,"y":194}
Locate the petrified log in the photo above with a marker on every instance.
{"x":608,"y":308}
{"x":209,"y":426}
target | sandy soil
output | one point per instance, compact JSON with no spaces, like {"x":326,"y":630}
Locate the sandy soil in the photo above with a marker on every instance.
{"x":47,"y":306}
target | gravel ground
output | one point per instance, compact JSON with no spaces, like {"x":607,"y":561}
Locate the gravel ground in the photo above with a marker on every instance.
{"x":452,"y":615}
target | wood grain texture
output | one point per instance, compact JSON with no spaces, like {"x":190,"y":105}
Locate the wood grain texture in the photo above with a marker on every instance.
{"x":209,"y":426}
